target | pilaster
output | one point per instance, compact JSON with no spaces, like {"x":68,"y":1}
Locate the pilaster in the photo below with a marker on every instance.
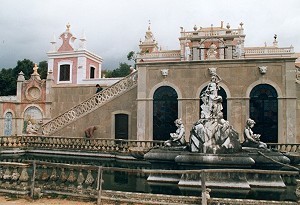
{"x":141,"y":104}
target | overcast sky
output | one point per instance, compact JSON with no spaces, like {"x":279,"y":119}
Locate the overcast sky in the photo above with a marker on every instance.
{"x":114,"y":27}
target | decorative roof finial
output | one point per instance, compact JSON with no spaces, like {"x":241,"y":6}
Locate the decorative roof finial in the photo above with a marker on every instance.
{"x":275,"y":42}
{"x":35,"y":74}
{"x":68,"y":27}
{"x":149,"y":25}
{"x":241,"y":24}
{"x":53,"y":41}
{"x":35,"y":68}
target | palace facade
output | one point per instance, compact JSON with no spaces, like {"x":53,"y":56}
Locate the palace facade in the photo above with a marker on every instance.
{"x":261,"y":83}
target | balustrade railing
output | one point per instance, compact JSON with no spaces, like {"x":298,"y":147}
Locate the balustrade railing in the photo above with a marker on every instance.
{"x":212,"y":32}
{"x":285,"y":147}
{"x":15,"y":178}
{"x":63,"y":143}
{"x":263,"y":50}
{"x":161,"y":55}
{"x":37,"y":178}
{"x":100,"y":144}
{"x":90,"y":104}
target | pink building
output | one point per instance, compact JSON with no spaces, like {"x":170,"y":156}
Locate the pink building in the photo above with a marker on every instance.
{"x":72,"y":65}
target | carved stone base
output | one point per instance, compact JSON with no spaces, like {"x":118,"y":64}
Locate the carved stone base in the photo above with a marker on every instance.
{"x":163,"y":158}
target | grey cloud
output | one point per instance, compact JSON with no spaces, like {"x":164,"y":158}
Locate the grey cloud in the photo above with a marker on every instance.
{"x":113,"y":28}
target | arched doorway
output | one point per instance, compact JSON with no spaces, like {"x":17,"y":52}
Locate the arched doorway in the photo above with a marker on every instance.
{"x":165,"y":112}
{"x":223,"y":94}
{"x":264,"y":111}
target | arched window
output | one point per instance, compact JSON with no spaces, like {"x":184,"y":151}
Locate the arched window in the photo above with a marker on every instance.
{"x":223,"y":94}
{"x":264,"y":111}
{"x":64,"y":72}
{"x":165,"y":112}
{"x":92,"y":73}
{"x":121,"y":126}
{"x":8,"y":124}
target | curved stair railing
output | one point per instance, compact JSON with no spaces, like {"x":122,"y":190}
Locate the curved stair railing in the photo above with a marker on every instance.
{"x":90,"y":104}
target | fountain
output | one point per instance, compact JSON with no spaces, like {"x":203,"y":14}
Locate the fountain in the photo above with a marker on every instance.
{"x":214,"y":145}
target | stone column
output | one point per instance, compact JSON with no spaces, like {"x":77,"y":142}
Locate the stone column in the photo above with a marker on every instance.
{"x":141,"y":104}
{"x":18,"y":118}
{"x":20,"y":81}
{"x":291,"y":101}
{"x":49,"y":97}
{"x":195,"y":54}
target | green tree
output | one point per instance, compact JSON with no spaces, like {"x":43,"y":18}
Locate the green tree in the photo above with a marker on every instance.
{"x":122,"y":71}
{"x":43,"y":69}
{"x":8,"y":77}
{"x":26,"y":66}
{"x":131,"y":56}
{"x":8,"y":83}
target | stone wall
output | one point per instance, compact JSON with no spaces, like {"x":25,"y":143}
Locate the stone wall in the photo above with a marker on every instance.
{"x":102,"y":117}
{"x":65,"y":97}
{"x":239,"y":77}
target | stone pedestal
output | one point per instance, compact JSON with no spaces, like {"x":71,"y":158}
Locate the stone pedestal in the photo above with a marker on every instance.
{"x":265,"y":180}
{"x":214,"y":161}
{"x":163,"y":159}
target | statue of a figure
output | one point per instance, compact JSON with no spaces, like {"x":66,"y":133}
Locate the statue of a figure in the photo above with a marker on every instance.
{"x":212,"y":52}
{"x":198,"y":136}
{"x":239,"y":49}
{"x":212,"y":102}
{"x":187,"y":52}
{"x":31,"y":129}
{"x":211,"y":133}
{"x":251,"y":139}
{"x":213,"y":136}
{"x":177,"y":138}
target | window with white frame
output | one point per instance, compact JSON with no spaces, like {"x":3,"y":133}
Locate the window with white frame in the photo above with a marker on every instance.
{"x":65,"y":72}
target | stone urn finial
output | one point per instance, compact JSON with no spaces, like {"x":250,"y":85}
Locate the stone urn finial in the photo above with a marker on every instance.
{"x":21,"y":76}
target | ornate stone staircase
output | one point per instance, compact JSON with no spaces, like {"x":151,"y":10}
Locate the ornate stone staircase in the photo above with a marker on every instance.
{"x":90,"y":104}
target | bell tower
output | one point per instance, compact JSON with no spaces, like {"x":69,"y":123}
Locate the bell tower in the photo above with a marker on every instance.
{"x":149,"y":45}
{"x":72,"y":63}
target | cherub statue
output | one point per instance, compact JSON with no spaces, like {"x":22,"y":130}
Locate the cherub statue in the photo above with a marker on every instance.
{"x":177,"y":138}
{"x":251,"y":139}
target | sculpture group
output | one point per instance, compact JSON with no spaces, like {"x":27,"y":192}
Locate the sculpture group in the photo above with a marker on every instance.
{"x":213,"y":134}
